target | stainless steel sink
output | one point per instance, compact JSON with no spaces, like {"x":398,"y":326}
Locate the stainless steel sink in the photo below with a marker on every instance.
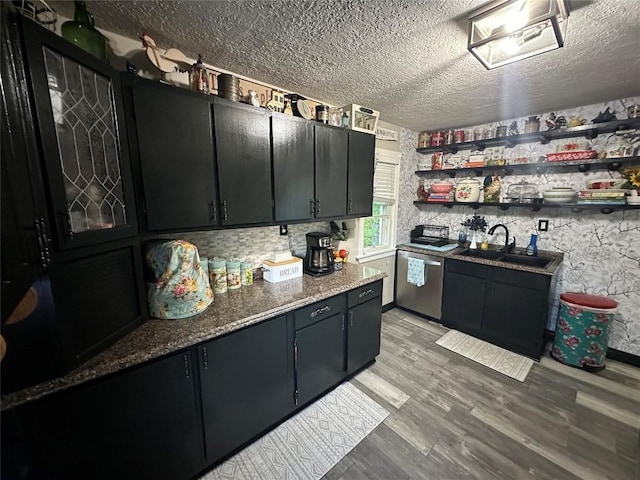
{"x":539,"y":262}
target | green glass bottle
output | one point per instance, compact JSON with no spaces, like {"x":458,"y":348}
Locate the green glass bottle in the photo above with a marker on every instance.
{"x":82,"y":32}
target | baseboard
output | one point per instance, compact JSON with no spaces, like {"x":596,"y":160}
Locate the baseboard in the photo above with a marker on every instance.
{"x":623,"y":357}
{"x":388,"y":306}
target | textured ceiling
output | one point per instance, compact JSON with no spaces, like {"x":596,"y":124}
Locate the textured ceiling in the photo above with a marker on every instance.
{"x":407,"y":59}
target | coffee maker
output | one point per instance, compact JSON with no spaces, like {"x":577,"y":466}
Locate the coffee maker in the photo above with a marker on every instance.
{"x":319,"y":259}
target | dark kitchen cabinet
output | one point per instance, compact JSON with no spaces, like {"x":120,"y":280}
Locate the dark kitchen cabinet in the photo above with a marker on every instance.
{"x":360,"y":175}
{"x":463,"y":281}
{"x":243,"y":153}
{"x":516,"y":310}
{"x":293,"y":174}
{"x":70,"y":242}
{"x":142,"y":423}
{"x":79,"y":116}
{"x":174,"y":138}
{"x":331,"y":158}
{"x":319,"y":351}
{"x":246,"y":383}
{"x":24,"y":230}
{"x":363,"y":333}
{"x":503,"y":306}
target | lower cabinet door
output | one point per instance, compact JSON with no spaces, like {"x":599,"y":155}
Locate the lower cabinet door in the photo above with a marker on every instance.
{"x":463,"y":301}
{"x":246,"y":385}
{"x":364,"y":334}
{"x":138,"y":424}
{"x":319,"y":357}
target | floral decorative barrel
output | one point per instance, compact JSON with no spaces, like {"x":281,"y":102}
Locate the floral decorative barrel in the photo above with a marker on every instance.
{"x":582,"y":330}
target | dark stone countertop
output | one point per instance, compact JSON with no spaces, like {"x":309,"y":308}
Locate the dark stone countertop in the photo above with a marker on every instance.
{"x":551,"y":269}
{"x":228,"y":312}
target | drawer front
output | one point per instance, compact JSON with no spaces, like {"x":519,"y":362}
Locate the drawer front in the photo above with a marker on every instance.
{"x":364,"y":293}
{"x":319,"y":311}
{"x":466,"y":268}
{"x":536,"y":281}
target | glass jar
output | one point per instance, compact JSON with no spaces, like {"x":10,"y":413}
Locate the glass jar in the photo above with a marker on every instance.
{"x":233,"y":275}
{"x":218,"y":275}
{"x":246,"y":273}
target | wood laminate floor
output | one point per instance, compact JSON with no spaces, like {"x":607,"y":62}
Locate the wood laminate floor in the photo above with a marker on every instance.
{"x":451,"y":418}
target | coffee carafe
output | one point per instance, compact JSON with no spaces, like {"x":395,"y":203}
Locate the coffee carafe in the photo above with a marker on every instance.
{"x":319,"y":259}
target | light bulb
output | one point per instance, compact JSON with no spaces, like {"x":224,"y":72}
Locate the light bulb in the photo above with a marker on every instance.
{"x":511,"y":44}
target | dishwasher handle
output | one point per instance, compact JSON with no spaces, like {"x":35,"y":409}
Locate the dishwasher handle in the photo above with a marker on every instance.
{"x":431,"y":263}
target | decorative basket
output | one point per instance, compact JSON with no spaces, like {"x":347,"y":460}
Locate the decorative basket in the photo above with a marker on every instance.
{"x":571,"y":155}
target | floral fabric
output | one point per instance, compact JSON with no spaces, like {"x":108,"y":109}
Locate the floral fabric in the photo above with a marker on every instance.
{"x":582,"y":335}
{"x":181,"y":288}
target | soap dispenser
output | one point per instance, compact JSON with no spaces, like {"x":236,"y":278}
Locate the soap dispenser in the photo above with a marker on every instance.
{"x":532,"y":248}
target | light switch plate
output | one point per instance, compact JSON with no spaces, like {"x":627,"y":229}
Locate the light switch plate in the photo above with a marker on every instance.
{"x":543,"y":225}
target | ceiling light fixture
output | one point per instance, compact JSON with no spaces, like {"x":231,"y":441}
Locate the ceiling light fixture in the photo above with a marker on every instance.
{"x":503,"y":32}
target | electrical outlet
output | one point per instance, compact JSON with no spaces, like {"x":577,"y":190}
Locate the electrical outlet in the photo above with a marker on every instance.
{"x":543,"y":225}
{"x":284,"y":230}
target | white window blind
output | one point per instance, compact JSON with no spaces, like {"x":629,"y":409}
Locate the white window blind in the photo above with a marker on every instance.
{"x":384,"y":182}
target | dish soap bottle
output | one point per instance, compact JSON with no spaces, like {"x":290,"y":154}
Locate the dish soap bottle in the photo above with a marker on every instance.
{"x":532,"y":248}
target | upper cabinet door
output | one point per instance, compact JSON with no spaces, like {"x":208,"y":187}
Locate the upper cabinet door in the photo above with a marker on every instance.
{"x":175,"y":144}
{"x":79,"y":114}
{"x":244,"y":163}
{"x":292,"y":169}
{"x":361,"y":165}
{"x":331,"y":172}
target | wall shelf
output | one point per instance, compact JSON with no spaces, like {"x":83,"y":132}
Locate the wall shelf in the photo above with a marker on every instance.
{"x":611,"y":164}
{"x":575,"y":207}
{"x":590,"y":132}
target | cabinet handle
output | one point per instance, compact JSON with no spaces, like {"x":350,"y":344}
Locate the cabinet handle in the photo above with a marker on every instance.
{"x":317,"y":207}
{"x":365,"y":293}
{"x":43,"y":242}
{"x":312,"y":207}
{"x":212,"y":207}
{"x":224,"y":210}
{"x":67,"y":220}
{"x":205,"y":359}
{"x":317,"y":312}
{"x":295,"y":370}
{"x":350,"y":205}
{"x":351,"y":318}
{"x":187,"y":372}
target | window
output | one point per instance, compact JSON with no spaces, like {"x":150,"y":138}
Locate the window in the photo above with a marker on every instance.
{"x":378,"y":231}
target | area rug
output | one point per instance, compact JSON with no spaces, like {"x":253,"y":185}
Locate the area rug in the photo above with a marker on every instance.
{"x":308,"y":445}
{"x":497,"y":358}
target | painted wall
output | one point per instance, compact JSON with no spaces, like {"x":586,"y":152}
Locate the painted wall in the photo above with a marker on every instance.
{"x":602,"y":252}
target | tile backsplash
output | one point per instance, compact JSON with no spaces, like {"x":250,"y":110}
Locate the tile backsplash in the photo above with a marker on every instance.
{"x":252,"y":244}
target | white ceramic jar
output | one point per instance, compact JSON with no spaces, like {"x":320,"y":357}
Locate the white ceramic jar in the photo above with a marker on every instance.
{"x":468,"y":191}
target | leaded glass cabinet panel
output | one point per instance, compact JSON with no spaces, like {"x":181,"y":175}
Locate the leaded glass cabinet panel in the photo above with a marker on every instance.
{"x":79,"y":114}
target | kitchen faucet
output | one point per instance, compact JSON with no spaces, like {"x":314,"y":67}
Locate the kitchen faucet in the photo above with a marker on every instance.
{"x":507,"y":247}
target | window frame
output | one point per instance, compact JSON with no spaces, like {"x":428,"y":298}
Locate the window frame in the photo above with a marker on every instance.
{"x":371,"y":253}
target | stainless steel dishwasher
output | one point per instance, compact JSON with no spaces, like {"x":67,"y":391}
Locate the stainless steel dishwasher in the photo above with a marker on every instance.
{"x":426,"y":299}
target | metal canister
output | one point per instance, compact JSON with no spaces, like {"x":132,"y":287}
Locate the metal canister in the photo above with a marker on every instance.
{"x":233,"y":275}
{"x":424,"y":140}
{"x":322,"y":113}
{"x":458,"y":136}
{"x":246,"y":273}
{"x":437,"y":139}
{"x":501,"y":131}
{"x":229,"y":87}
{"x":218,"y":275}
{"x":478,"y":133}
{"x":448,"y":137}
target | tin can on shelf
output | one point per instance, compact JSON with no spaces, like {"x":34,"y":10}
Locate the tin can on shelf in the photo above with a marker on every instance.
{"x":437,"y":139}
{"x":501,"y":131}
{"x":424,"y":140}
{"x":322,"y":113}
{"x":478,"y":134}
{"x":436,"y":161}
{"x":246,"y":273}
{"x":448,"y":137}
{"x":458,"y":136}
{"x":218,"y":275}
{"x":233,"y":275}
